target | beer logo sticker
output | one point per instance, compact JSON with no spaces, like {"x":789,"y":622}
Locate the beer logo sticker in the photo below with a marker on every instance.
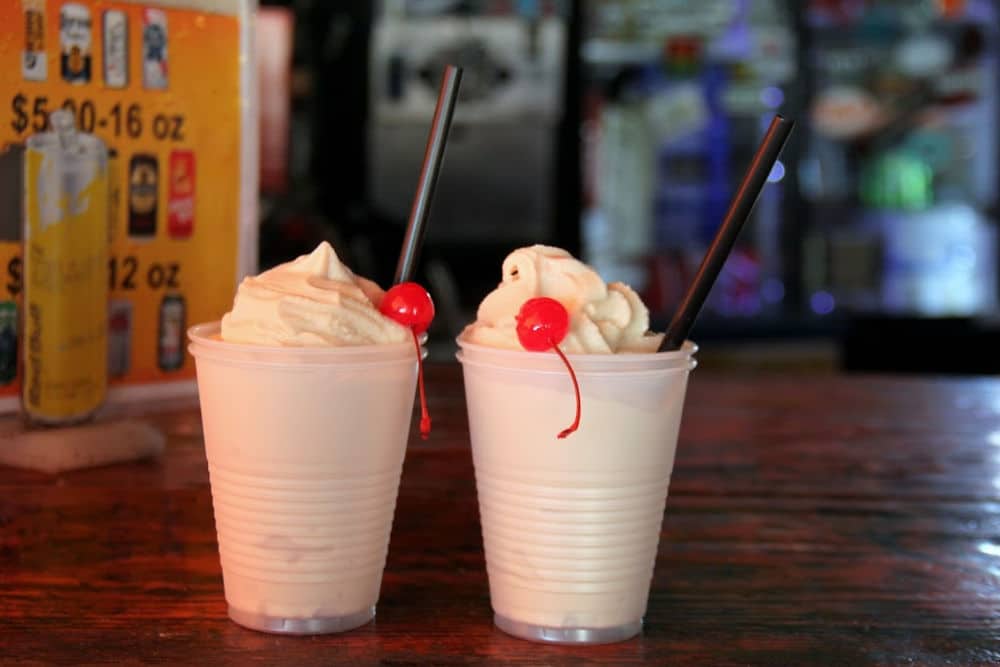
{"x":154,"y":49}
{"x":34,"y":63}
{"x":143,"y":186}
{"x":115,"y":48}
{"x":170,"y":342}
{"x":119,"y":337}
{"x":74,"y":42}
{"x":180,"y":204}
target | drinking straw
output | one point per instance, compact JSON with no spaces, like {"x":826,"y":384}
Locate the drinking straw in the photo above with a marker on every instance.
{"x":739,"y":210}
{"x":433,"y":155}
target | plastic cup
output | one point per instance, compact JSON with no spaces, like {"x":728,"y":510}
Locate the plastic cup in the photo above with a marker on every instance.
{"x":571,"y":527}
{"x":305,"y":447}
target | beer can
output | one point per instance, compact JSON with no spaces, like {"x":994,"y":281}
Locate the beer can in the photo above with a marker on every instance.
{"x":114,"y":194}
{"x":180,"y":194}
{"x":170,"y":344}
{"x":8,"y":342}
{"x":34,"y":62}
{"x":143,"y":195}
{"x":75,"y":42}
{"x":154,"y":48}
{"x":119,"y":337}
{"x":65,"y":255}
{"x":115,"y":27}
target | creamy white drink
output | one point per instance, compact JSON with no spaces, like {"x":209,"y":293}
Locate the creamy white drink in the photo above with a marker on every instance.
{"x":306,"y":393}
{"x":570,"y":527}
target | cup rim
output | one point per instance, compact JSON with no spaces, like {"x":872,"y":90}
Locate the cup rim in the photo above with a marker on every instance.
{"x":688,"y":350}
{"x":476,"y":354}
{"x":204,"y":336}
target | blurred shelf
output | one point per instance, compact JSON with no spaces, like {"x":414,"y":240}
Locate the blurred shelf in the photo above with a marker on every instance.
{"x":716,"y":328}
{"x":612,"y":52}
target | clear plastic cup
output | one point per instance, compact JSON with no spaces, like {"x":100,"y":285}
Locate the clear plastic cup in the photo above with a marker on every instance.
{"x":305,"y":447}
{"x":571,"y":527}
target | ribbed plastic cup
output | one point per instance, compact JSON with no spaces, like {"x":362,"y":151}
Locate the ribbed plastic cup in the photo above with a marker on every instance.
{"x":305,"y":447}
{"x":571,"y":527}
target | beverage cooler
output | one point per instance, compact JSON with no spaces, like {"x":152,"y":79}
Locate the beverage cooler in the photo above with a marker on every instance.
{"x":899,"y":173}
{"x":899,"y":180}
{"x":676,"y":97}
{"x":882,"y":210}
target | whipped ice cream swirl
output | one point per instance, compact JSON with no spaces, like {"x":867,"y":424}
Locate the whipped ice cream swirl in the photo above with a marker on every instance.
{"x":312,"y":301}
{"x":604,"y":318}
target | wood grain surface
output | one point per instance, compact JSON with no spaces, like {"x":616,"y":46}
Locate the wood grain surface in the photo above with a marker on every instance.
{"x":818,"y":520}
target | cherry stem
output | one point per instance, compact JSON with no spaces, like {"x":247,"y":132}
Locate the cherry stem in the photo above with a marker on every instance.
{"x":425,"y":417}
{"x":576,"y":391}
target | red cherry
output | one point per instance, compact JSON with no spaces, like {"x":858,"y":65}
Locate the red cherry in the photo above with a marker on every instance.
{"x":542,"y":323}
{"x":410,"y":305}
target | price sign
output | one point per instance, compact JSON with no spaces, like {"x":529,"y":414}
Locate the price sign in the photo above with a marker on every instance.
{"x":32,"y":113}
{"x":160,"y":86}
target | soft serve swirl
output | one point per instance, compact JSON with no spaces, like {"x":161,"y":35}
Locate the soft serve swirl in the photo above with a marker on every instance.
{"x":313,"y":301}
{"x":603,"y":318}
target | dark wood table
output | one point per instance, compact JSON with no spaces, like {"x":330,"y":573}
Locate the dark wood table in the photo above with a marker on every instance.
{"x":812,"y":520}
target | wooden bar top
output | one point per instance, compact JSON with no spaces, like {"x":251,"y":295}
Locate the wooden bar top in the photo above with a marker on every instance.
{"x":812,"y":520}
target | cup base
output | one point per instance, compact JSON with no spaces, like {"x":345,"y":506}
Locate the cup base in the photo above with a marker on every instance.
{"x":553,"y":635}
{"x":301,"y":626}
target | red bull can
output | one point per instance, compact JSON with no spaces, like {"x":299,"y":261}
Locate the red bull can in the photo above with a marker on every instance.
{"x":65,"y":255}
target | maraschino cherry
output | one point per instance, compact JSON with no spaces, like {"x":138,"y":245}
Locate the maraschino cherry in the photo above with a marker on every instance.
{"x":542,"y":323}
{"x":411,"y":305}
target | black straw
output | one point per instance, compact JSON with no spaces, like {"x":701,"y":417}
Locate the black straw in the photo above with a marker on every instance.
{"x":739,"y":210}
{"x":436,"y":140}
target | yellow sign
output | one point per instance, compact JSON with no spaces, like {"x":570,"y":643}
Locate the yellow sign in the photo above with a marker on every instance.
{"x":161,"y":88}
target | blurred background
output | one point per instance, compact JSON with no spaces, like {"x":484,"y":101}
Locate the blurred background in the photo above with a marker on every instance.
{"x":618,"y":130}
